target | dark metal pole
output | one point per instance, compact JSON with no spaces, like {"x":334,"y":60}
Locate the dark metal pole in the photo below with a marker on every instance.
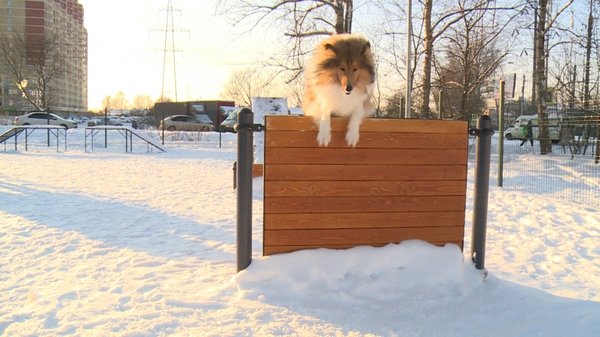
{"x":597,"y":160}
{"x":105,"y":131}
{"x":480,"y":198}
{"x":162,"y":114}
{"x":47,"y":123}
{"x":218,"y":126}
{"x":235,"y":175}
{"x":440,"y":101}
{"x":402,"y":107}
{"x":244,"y":188}
{"x":501,"y":135}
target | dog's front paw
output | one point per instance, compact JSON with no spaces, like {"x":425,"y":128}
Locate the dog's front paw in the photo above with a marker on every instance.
{"x":352,"y":137}
{"x":324,"y":137}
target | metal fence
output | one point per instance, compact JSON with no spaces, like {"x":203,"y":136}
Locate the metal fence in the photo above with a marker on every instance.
{"x":570,"y":173}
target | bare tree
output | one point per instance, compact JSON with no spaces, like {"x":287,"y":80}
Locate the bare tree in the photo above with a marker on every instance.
{"x":588,"y":56}
{"x":245,"y":84}
{"x":33,"y":64}
{"x":119,"y":101}
{"x":471,"y":59}
{"x":302,"y":22}
{"x":434,"y":29}
{"x":107,"y":101}
{"x":436,"y":20}
{"x":142,"y":102}
{"x":545,"y":21}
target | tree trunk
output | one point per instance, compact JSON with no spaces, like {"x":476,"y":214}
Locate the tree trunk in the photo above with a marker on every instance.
{"x":348,"y":15}
{"x":588,"y":53}
{"x":466,"y":80}
{"x":540,"y":99}
{"x":534,"y":70}
{"x":428,"y":42}
{"x":340,"y":17}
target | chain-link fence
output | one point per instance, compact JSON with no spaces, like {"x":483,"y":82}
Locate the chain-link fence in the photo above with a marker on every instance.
{"x":570,"y":172}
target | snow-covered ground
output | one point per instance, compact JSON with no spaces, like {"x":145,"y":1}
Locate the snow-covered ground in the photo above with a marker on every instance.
{"x":106,"y":243}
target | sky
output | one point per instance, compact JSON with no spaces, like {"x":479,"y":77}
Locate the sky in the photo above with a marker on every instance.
{"x":126,"y":43}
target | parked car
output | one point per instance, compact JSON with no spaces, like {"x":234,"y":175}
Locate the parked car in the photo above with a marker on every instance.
{"x":42,"y":118}
{"x":94,"y":122}
{"x":186,"y":123}
{"x":103,"y":121}
{"x":229,"y":123}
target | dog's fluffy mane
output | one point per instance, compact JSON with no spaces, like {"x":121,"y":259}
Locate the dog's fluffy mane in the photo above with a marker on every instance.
{"x":335,"y":51}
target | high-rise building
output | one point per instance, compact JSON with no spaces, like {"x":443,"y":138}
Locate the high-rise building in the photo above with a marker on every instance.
{"x":52,"y":30}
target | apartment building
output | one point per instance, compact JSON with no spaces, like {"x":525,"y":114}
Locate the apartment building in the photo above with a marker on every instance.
{"x":54,"y":29}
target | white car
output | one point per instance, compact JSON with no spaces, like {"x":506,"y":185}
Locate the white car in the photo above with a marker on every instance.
{"x":42,"y":118}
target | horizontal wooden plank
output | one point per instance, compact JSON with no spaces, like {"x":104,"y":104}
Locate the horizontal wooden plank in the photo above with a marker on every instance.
{"x":306,"y":123}
{"x":363,"y":220}
{"x":363,"y":188}
{"x":382,"y":140}
{"x":361,"y":236}
{"x":363,"y":204}
{"x":365,"y":172}
{"x":270,"y":250}
{"x":364,"y":156}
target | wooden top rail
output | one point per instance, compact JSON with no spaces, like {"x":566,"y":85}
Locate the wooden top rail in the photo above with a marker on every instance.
{"x":406,"y":179}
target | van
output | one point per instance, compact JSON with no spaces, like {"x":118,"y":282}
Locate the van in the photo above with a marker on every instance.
{"x":515,"y":130}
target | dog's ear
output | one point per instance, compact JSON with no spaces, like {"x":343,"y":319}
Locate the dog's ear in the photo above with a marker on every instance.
{"x":329,"y":46}
{"x":365,"y":48}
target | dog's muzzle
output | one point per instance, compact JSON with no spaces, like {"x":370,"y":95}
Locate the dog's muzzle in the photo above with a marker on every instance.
{"x":348,"y":89}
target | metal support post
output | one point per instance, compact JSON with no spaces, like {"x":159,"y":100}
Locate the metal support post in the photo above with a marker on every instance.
{"x":245,"y":154}
{"x":484,"y":133}
{"x":501,"y":135}
{"x":440,"y":104}
{"x":105,"y":130}
{"x":235,"y":175}
{"x":597,"y":160}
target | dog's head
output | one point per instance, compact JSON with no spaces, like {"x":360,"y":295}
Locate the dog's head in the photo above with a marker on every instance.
{"x":348,"y":59}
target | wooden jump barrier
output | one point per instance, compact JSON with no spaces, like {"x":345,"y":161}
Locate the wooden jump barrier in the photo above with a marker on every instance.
{"x":406,"y":179}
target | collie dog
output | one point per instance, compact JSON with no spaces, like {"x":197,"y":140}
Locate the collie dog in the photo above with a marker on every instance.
{"x":340,"y":78}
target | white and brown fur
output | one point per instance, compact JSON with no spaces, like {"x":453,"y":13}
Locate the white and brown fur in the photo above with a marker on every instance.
{"x":339,"y":81}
